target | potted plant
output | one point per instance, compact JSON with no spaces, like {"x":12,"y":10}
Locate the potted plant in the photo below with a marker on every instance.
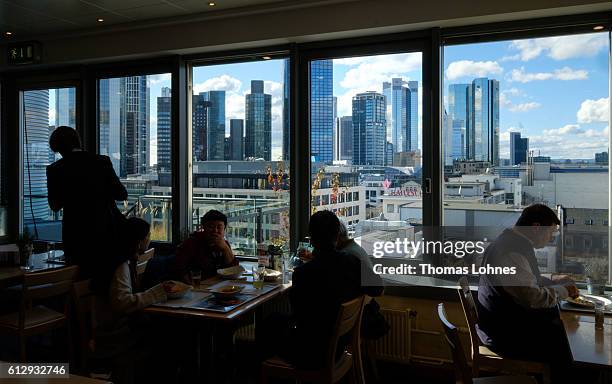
{"x":596,"y":271}
{"x":26,"y":246}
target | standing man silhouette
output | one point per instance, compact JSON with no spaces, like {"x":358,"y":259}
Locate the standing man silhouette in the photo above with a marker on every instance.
{"x":86,"y":186}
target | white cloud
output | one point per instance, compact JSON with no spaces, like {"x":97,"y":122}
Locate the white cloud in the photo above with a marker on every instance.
{"x":161,"y":78}
{"x":221,"y":83}
{"x":371,"y":71}
{"x":469,"y":68}
{"x":565,"y":73}
{"x":565,"y":130}
{"x":560,"y":47}
{"x":524,"y":107}
{"x":594,"y":111}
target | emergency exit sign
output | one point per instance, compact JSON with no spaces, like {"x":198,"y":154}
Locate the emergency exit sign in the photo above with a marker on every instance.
{"x":24,"y":53}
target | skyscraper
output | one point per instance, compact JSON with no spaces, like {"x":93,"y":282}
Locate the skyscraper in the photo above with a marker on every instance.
{"x":321,"y":110}
{"x":36,"y":155}
{"x":65,"y":113}
{"x":237,"y":142}
{"x":369,"y":129}
{"x":402,"y":113}
{"x":109,"y":120}
{"x":389,"y":153}
{"x":474,"y":110}
{"x":199,"y":108}
{"x":286,"y":121}
{"x":215,"y":125}
{"x":135,"y":125}
{"x":258,"y":111}
{"x":164,"y":123}
{"x":345,"y":138}
{"x":519,"y":147}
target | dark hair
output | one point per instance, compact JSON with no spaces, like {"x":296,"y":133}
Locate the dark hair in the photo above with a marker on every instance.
{"x":214,"y":215}
{"x":538,"y":213}
{"x":64,"y":139}
{"x":324,"y":228}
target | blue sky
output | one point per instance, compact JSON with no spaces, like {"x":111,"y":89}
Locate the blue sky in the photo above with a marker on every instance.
{"x":553,"y":90}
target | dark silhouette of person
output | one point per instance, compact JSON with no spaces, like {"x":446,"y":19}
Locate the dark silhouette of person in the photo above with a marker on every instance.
{"x":86,"y":187}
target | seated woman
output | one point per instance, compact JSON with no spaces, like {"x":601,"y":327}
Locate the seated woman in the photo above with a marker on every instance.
{"x":120,"y":330}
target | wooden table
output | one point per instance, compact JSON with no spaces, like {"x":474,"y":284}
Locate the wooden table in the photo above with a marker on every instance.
{"x":13,"y":275}
{"x":590,"y":347}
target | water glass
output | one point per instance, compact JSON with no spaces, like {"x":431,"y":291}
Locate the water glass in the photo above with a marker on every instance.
{"x":258,"y":276}
{"x":51,"y":251}
{"x":196,"y":278}
{"x":599,"y":314}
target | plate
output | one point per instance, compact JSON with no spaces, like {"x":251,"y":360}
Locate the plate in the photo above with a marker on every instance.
{"x":234,"y":272}
{"x":272,"y":275}
{"x":588,"y":301}
{"x":176,"y":289}
{"x":227,"y":291}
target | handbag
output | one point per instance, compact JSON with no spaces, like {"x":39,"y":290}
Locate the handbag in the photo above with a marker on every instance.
{"x":373,"y":323}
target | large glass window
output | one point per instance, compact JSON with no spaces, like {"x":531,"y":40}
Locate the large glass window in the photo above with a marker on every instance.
{"x":527,"y":121}
{"x":134,"y":130}
{"x":240,"y":126}
{"x":42,"y":111}
{"x":366,"y":144}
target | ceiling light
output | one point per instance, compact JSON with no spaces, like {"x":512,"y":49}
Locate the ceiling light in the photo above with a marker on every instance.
{"x":211,"y":4}
{"x":266,"y":57}
{"x":598,"y":27}
{"x":100,"y":20}
{"x":8,"y":33}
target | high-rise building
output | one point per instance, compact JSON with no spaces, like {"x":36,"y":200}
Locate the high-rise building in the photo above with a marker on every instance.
{"x":519,"y":148}
{"x":335,"y":138}
{"x":389,"y":153}
{"x":36,"y":136}
{"x":199,"y":108}
{"x":369,"y":129}
{"x":474,"y":110}
{"x":321,"y":110}
{"x":164,"y":123}
{"x":343,"y":138}
{"x":65,"y":113}
{"x":237,"y":141}
{"x":227,"y":148}
{"x":258,"y":124}
{"x":110,"y":120}
{"x":402,"y":113}
{"x":286,"y":104}
{"x":601,"y":158}
{"x":135,"y":125}
{"x":215,"y":124}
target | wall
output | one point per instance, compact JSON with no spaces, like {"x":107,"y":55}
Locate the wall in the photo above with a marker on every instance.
{"x":289,"y":21}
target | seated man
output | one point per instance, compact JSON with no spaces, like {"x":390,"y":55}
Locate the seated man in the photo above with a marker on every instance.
{"x":320,"y":286}
{"x":205,"y":250}
{"x":518,"y":314}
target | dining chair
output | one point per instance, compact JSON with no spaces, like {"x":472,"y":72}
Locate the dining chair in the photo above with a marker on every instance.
{"x":83,"y":300}
{"x":35,"y":319}
{"x":483,"y":358}
{"x":348,"y":323}
{"x":143,"y":260}
{"x":463,"y":373}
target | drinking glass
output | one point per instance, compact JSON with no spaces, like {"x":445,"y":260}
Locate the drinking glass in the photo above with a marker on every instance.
{"x":258,"y":276}
{"x":599,"y":314}
{"x":196,"y":278}
{"x":51,"y":251}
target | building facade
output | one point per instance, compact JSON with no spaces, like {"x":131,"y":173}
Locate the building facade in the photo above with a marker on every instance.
{"x":258,"y":122}
{"x":321,"y":110}
{"x":369,"y":129}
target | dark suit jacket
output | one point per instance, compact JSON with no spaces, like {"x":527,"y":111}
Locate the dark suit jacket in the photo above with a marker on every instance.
{"x":85,"y":186}
{"x":318,"y":289}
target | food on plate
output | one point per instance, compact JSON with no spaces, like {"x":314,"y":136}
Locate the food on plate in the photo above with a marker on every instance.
{"x":227,"y":291}
{"x":234,"y":272}
{"x":581,"y":301}
{"x":175,"y":289}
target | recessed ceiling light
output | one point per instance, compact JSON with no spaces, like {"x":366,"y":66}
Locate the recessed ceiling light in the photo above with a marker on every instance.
{"x":8,"y":33}
{"x":100,"y":20}
{"x":211,"y":4}
{"x":266,"y":57}
{"x":598,"y":27}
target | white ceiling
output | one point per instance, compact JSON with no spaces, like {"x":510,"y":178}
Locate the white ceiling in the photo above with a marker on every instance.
{"x":40,"y":17}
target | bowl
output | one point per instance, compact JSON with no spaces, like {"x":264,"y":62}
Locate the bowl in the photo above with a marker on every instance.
{"x":227,"y":292}
{"x":176,"y":289}
{"x":271,"y":275}
{"x":234,"y":272}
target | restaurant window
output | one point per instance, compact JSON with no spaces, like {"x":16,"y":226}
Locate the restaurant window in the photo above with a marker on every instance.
{"x":240,"y":138}
{"x":528,"y":118}
{"x":390,"y":208}
{"x":365,"y":123}
{"x":43,"y":111}
{"x":3,"y":212}
{"x":134,"y":131}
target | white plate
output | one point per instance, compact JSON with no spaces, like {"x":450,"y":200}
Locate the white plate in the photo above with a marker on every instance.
{"x":234,"y":272}
{"x":590,"y":301}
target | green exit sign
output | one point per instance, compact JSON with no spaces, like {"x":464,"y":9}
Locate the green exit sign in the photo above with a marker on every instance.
{"x":24,"y":53}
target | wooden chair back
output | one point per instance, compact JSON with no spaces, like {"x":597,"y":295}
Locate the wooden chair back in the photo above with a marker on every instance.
{"x":463,"y":372}
{"x":43,"y":285}
{"x":471,"y":316}
{"x":348,"y":323}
